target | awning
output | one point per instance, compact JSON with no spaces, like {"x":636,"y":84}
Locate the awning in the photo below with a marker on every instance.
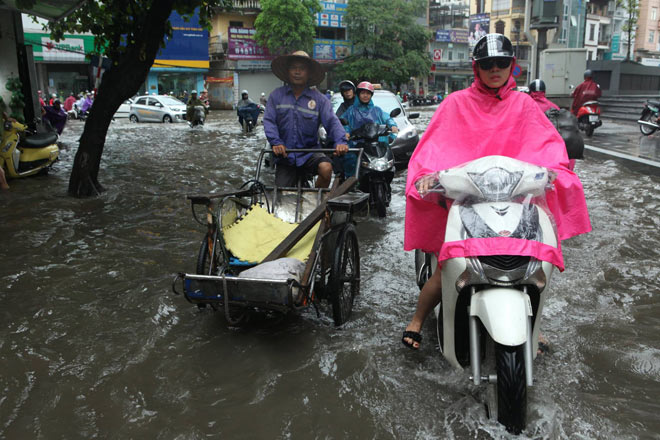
{"x":52,"y":10}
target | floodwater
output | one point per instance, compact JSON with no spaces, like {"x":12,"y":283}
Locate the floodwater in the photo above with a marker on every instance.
{"x":93,"y":344}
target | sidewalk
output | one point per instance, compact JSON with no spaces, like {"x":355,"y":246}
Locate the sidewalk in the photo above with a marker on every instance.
{"x":622,"y":140}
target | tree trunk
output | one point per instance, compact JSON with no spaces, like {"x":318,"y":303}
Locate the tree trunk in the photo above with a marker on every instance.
{"x":121,"y":82}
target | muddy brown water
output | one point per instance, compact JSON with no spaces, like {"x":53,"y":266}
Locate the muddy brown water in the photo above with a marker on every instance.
{"x":93,"y":344}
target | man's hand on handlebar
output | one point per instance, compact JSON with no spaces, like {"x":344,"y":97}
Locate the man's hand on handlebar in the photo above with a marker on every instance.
{"x":394,"y":129}
{"x":341,"y":149}
{"x":279,"y":150}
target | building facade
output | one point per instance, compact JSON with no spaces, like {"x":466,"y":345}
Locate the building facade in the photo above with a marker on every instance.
{"x":647,"y":37}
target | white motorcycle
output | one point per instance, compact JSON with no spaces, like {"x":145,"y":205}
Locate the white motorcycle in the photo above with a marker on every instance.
{"x":491,"y":305}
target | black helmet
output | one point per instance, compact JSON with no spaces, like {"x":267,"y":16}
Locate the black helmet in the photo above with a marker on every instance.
{"x":492,"y":45}
{"x":588,"y":74}
{"x":346,"y":85}
{"x":537,"y":86}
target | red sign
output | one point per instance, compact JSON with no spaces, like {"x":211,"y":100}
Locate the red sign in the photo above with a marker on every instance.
{"x":437,"y":54}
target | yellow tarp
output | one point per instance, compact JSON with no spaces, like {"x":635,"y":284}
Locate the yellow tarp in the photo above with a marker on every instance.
{"x":258,"y":232}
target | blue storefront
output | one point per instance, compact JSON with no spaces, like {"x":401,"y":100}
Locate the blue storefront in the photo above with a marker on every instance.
{"x":182,"y":65}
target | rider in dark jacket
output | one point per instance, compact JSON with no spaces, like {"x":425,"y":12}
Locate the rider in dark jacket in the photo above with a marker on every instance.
{"x":347,"y":90}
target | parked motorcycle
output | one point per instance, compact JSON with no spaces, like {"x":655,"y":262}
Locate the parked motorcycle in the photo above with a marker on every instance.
{"x":491,"y":305}
{"x":377,"y":163}
{"x":647,"y":121}
{"x":26,"y":155}
{"x":589,"y":117}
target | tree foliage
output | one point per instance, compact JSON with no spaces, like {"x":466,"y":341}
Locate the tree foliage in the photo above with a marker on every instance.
{"x":388,"y":44}
{"x":630,"y":24}
{"x":284,"y":26}
{"x":130,"y":33}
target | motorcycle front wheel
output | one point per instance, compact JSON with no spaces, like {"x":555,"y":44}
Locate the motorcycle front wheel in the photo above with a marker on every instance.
{"x":647,"y":116}
{"x":511,"y":387}
{"x":380,"y":199}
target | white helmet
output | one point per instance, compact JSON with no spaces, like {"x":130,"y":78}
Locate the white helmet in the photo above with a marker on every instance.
{"x":263,"y":94}
{"x":244,"y":92}
{"x":193,"y":92}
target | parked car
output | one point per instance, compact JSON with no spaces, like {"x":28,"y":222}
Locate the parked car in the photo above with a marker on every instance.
{"x":124,"y":110}
{"x":157,"y":108}
{"x":407,"y":138}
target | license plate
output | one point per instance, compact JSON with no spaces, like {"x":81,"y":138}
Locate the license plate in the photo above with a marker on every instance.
{"x":593,"y":118}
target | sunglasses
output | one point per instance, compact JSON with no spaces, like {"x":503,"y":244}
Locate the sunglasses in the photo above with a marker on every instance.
{"x":488,"y":63}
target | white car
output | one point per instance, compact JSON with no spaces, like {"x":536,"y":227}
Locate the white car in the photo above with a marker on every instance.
{"x":157,"y":108}
{"x":124,"y":110}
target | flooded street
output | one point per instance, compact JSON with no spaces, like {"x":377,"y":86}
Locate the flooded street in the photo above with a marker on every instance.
{"x":93,"y":344}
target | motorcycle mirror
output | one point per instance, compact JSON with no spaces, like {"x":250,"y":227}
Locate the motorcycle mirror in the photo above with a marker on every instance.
{"x":396,"y":112}
{"x":413,"y":115}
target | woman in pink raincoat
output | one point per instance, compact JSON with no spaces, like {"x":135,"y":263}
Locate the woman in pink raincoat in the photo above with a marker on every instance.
{"x":488,"y":118}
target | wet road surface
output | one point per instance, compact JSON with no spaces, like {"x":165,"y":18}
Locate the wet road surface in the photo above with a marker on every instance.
{"x":94,"y":345}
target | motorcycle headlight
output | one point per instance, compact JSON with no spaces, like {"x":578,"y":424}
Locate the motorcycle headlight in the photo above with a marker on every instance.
{"x":380,"y":164}
{"x":496,"y":183}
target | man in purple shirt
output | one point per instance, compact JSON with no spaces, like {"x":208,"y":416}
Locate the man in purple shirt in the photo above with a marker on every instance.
{"x":292,"y":118}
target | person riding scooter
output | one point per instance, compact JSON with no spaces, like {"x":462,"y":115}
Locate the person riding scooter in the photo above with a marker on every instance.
{"x":193,"y":102}
{"x":347,"y":90}
{"x":247,"y":110}
{"x":361,"y":112}
{"x":589,"y":90}
{"x":54,"y":117}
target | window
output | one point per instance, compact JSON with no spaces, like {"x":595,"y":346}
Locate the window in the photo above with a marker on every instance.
{"x":499,"y":27}
{"x":449,"y":55}
{"x":654,"y":13}
{"x":236,"y":24}
{"x":651,"y":36}
{"x":142,"y":101}
{"x":501,"y":5}
{"x":592,"y":32}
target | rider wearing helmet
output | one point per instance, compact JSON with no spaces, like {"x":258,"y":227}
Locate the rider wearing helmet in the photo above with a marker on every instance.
{"x":537,"y":92}
{"x":487,"y":118}
{"x":347,"y":90}
{"x":192,"y":103}
{"x":361,"y":112}
{"x":242,"y":106}
{"x":589,"y":90}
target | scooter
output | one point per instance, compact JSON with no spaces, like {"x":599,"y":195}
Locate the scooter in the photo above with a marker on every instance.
{"x":199,"y":116}
{"x":23,"y":156}
{"x":589,"y":117}
{"x":377,"y":163}
{"x":489,"y":315}
{"x":250,"y":115}
{"x":647,"y":121}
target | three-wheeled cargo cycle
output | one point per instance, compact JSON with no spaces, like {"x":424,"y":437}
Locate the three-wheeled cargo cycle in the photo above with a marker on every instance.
{"x":277,"y":249}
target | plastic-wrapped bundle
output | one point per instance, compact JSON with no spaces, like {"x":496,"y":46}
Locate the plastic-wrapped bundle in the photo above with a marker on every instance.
{"x":567,"y":126}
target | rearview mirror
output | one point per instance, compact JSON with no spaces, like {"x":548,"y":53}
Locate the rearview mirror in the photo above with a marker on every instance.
{"x":396,"y":112}
{"x":413,"y":115}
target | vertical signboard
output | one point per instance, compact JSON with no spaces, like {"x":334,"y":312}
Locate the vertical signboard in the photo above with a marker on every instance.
{"x":187,"y":47}
{"x":479,"y":26}
{"x":242,"y":45}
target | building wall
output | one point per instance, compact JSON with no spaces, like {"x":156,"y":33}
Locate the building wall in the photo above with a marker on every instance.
{"x":647,"y":37}
{"x":9,"y":64}
{"x":220,"y":23}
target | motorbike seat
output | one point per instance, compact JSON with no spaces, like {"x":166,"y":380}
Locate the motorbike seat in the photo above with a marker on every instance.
{"x":39,"y":140}
{"x":655,"y":103}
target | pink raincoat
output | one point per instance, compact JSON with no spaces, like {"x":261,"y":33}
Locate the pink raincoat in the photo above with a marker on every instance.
{"x":478,"y":122}
{"x":544,"y":103}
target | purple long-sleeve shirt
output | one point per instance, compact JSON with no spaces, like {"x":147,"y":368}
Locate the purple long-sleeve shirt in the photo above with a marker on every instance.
{"x":294,"y":123}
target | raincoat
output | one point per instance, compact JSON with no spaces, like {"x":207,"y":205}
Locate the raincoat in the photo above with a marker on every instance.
{"x":357,"y":115}
{"x":544,"y":103}
{"x":87,"y":103}
{"x":478,"y":122}
{"x":589,"y":90}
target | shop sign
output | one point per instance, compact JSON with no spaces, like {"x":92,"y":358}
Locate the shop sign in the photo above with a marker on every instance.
{"x":243,"y":46}
{"x":187,"y":47}
{"x":253,"y":64}
{"x":73,"y":48}
{"x":447,"y":36}
{"x":326,"y":51}
{"x":331,"y":15}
